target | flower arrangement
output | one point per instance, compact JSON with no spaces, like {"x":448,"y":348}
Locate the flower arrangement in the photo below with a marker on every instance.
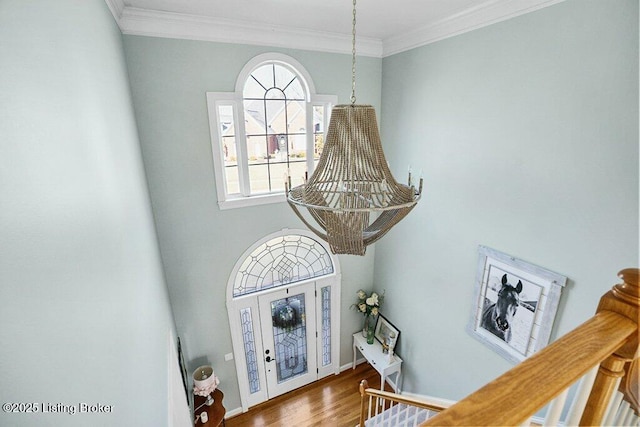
{"x":368,"y":304}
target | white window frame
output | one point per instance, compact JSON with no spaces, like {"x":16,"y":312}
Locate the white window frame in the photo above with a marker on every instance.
{"x":235,"y":100}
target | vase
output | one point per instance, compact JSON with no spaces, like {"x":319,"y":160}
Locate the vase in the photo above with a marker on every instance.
{"x":368,"y":328}
{"x":370,"y":335}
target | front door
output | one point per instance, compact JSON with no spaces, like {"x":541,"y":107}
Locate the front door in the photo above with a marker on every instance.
{"x":288,"y":323}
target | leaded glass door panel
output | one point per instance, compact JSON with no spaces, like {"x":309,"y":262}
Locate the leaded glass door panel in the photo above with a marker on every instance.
{"x":288,"y":323}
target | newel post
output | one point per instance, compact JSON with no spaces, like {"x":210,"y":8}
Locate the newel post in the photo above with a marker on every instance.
{"x":623,"y":299}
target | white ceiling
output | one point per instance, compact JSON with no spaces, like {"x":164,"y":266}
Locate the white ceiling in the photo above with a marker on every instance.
{"x":384,"y":27}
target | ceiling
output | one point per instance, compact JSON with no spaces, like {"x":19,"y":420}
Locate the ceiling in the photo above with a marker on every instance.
{"x":384,"y":27}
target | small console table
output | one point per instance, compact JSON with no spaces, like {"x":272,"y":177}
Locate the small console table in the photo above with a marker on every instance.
{"x":390,"y":369}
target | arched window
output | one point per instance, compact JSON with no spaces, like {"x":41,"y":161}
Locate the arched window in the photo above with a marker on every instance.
{"x":272,"y":127}
{"x":282,"y":260}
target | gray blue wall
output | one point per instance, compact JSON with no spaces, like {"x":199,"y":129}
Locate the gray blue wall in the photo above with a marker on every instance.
{"x":84,"y":310}
{"x":527,"y":132}
{"x":199,"y":242}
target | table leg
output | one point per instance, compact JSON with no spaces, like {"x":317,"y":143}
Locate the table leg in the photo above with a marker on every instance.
{"x":354,"y":354}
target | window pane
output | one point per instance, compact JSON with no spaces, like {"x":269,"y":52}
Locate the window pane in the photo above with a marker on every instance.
{"x":233,"y":185}
{"x":276,"y":116}
{"x":263,"y":76}
{"x":225,"y":120}
{"x":228,"y":147}
{"x":257,"y":148}
{"x":275,"y":93}
{"x":297,"y":147}
{"x":254,"y":116}
{"x":253,"y":89}
{"x":250,"y":352}
{"x":295,"y":91}
{"x":297,"y":171}
{"x":290,"y":336}
{"x":229,"y":151}
{"x":278,"y":174}
{"x":284,"y":76}
{"x":326,"y":325}
{"x":318,"y":130}
{"x":296,"y":117}
{"x":259,"y":178}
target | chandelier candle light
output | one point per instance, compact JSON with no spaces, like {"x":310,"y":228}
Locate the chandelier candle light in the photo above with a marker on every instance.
{"x":352,"y":194}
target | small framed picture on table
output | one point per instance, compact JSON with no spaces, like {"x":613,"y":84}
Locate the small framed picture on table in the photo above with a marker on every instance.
{"x":386,"y":333}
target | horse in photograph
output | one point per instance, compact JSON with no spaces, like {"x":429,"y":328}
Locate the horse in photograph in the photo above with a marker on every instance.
{"x":497,"y":317}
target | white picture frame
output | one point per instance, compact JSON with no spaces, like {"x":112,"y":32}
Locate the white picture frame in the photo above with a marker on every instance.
{"x":514,"y":304}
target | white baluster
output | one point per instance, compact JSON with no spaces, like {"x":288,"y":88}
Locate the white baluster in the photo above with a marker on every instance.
{"x":555,"y":410}
{"x":612,"y":410}
{"x":622,"y":413}
{"x":628,"y":418}
{"x":580,"y":399}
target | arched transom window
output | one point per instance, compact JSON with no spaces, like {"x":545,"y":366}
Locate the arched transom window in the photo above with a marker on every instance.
{"x":280,"y":261}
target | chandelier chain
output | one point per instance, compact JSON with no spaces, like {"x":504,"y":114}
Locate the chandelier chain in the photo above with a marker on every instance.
{"x":353,"y":56}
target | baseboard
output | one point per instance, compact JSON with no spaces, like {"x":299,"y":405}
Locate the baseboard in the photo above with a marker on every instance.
{"x":437,"y":400}
{"x":350,"y":365}
{"x":233,"y":412}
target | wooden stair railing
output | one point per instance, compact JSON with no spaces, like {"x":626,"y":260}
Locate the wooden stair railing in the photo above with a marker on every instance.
{"x":610,"y":339}
{"x":374,"y":402}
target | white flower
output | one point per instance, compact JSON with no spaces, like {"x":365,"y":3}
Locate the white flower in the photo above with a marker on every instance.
{"x":371,"y":301}
{"x":374,"y":311}
{"x":363,"y":307}
{"x":361,"y":294}
{"x":375,"y":298}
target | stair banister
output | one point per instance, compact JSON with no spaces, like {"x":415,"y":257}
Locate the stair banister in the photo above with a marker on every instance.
{"x":610,"y":338}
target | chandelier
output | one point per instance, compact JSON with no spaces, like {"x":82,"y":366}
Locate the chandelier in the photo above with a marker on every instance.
{"x":352,"y":194}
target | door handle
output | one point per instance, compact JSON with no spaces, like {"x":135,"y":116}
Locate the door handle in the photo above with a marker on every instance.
{"x":269,"y":359}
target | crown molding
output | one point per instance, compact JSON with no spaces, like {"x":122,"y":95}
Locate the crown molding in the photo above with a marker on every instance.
{"x":116,"y":7}
{"x":153,"y":23}
{"x":482,"y":15}
{"x":144,"y":22}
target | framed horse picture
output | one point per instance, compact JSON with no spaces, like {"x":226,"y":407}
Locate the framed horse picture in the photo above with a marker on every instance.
{"x":514,"y":304}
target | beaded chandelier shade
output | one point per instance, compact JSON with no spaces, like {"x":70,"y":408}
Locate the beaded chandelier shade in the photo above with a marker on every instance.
{"x":352,"y":194}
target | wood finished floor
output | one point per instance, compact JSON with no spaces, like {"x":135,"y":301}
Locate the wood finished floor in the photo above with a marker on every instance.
{"x":332,"y":401}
